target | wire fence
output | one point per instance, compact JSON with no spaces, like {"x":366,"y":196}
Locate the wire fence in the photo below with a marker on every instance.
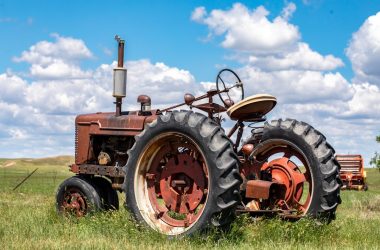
{"x":40,"y":180}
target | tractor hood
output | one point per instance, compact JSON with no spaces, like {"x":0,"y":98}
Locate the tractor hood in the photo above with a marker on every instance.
{"x":128,"y":123}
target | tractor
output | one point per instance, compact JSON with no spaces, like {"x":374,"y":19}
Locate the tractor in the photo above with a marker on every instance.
{"x":183,"y":174}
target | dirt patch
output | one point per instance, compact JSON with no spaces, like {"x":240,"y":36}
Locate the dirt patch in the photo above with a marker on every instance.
{"x":8,"y":164}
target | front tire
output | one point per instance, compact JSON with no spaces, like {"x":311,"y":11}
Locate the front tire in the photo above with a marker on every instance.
{"x":182,"y":175}
{"x":77,"y":196}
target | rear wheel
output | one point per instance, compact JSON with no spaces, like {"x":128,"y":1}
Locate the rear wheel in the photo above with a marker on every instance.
{"x":298,"y":156}
{"x":182,"y":175}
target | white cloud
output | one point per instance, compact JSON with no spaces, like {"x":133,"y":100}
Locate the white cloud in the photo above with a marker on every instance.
{"x":247,"y":30}
{"x":266,"y":44}
{"x":364,"y":51}
{"x":301,"y":58}
{"x":163,"y":83}
{"x":276,"y":61}
{"x":365,"y":102}
{"x":288,"y":11}
{"x":294,"y":86}
{"x":198,"y":14}
{"x":58,"y":59}
{"x":17,"y":133}
{"x":63,"y":48}
{"x":45,"y":107}
{"x":12,"y":88}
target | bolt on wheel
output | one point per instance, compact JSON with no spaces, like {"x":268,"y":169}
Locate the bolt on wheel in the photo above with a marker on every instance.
{"x":174,"y":182}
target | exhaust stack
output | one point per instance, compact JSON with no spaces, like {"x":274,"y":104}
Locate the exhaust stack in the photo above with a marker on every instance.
{"x":119,"y":77}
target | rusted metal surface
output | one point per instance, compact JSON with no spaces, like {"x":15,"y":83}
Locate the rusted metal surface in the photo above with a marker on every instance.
{"x":258,"y":189}
{"x":120,"y":52}
{"x":74,"y":202}
{"x":128,"y":124}
{"x":120,"y":64}
{"x":110,"y":171}
{"x":247,"y":149}
{"x":143,"y":99}
{"x":282,"y":183}
{"x":211,"y":107}
{"x":352,"y":172}
{"x":182,"y":184}
{"x":286,"y":172}
{"x":189,"y":99}
{"x":176,"y":181}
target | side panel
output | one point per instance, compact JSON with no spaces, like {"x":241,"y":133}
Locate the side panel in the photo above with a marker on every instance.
{"x":128,"y":124}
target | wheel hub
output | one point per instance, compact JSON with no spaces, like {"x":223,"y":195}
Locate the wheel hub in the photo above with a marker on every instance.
{"x":74,"y":203}
{"x":182,"y":183}
{"x":286,"y":172}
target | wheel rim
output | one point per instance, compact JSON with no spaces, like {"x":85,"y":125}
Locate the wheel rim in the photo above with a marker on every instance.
{"x":74,"y":202}
{"x":171,"y":183}
{"x":290,"y":167}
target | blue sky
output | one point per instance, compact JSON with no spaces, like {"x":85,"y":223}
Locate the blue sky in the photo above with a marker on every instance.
{"x":316,"y":67}
{"x":163,"y":31}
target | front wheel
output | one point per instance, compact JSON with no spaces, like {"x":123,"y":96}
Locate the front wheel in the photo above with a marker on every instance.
{"x":298,"y":157}
{"x":78,"y":197}
{"x":182,"y":175}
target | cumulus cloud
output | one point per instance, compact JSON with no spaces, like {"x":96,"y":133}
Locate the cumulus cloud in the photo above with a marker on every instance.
{"x":275,"y":60}
{"x":163,"y":83}
{"x":46,"y":105}
{"x":58,"y":59}
{"x":292,"y":86}
{"x":63,"y":48}
{"x":364,"y":51}
{"x":365,"y":102}
{"x":267,"y":44}
{"x":301,"y":58}
{"x":248,"y":30}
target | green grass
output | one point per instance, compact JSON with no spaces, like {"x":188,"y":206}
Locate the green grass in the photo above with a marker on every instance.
{"x":28,"y":220}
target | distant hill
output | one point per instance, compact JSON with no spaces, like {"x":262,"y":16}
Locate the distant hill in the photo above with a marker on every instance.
{"x":47,"y":163}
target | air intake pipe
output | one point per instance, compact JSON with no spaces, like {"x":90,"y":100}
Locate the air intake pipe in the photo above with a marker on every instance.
{"x":119,"y":77}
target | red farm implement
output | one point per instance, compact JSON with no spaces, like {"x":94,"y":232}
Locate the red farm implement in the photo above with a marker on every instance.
{"x":352,"y":172}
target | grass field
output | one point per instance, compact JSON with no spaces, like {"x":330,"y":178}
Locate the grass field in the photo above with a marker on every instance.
{"x":28,"y":220}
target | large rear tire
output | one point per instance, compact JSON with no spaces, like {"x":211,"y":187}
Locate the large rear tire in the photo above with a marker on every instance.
{"x":182,"y":175}
{"x":295,"y":150}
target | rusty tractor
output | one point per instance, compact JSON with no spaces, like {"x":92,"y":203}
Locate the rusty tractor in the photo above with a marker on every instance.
{"x":352,"y":172}
{"x":182,"y":173}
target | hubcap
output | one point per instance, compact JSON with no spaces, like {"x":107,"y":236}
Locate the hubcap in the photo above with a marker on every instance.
{"x":176,"y":180}
{"x":74,"y":203}
{"x":291,"y":169}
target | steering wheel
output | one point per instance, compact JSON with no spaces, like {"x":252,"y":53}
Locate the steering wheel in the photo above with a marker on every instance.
{"x":223,"y":86}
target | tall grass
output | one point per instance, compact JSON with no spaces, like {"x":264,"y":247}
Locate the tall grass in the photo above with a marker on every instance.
{"x":28,"y":221}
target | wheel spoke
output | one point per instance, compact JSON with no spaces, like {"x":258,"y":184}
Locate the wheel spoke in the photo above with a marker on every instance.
{"x":224,"y":85}
{"x":299,"y":178}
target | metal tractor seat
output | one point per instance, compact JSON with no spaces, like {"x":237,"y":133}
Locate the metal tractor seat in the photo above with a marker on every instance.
{"x":252,"y":107}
